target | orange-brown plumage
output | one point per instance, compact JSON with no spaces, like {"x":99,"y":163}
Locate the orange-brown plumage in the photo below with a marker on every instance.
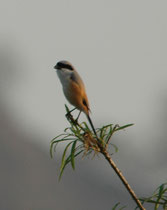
{"x":73,"y":88}
{"x":77,"y":97}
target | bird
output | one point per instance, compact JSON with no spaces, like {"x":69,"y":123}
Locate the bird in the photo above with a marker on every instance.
{"x":74,"y":89}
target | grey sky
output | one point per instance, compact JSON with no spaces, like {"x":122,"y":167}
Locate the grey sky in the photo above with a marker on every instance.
{"x":118,"y":47}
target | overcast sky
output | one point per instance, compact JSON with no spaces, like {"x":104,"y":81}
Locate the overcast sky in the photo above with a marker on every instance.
{"x":118,"y":47}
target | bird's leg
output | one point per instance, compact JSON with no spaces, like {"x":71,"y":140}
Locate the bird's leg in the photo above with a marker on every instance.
{"x":78,"y":117}
{"x":69,"y":116}
{"x":69,"y":113}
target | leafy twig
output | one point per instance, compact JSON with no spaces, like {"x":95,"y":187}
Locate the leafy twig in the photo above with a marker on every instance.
{"x":81,"y":139}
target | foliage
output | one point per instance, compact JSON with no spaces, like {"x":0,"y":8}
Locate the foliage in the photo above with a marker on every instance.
{"x":158,"y":198}
{"x":116,"y":205}
{"x":80,"y":139}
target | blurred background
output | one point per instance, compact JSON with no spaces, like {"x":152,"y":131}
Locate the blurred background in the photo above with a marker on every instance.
{"x":120,"y":49}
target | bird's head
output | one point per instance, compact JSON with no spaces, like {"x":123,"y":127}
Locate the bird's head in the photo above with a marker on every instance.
{"x":64,"y":66}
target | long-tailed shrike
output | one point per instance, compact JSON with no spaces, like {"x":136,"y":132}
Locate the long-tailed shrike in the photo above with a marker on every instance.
{"x":73,"y":88}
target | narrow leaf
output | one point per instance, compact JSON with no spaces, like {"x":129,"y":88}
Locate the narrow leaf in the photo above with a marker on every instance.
{"x":55,"y":142}
{"x":73,"y":154}
{"x":125,"y":126}
{"x":57,"y":137}
{"x":115,"y":147}
{"x":86,"y":126}
{"x":116,"y":205}
{"x":63,"y":157}
{"x":67,"y":161}
{"x":67,"y":109}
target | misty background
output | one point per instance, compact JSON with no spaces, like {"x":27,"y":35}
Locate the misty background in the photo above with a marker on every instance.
{"x":119,"y":48}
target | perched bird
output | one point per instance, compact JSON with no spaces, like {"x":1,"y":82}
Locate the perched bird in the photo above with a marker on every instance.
{"x":74,"y":88}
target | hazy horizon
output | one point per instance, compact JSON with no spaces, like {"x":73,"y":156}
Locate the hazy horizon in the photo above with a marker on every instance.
{"x":119,"y":48}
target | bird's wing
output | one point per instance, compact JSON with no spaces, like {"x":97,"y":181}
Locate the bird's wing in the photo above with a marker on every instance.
{"x":77,"y":79}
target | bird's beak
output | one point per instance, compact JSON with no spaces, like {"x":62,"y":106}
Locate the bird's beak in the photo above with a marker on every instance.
{"x":56,"y":67}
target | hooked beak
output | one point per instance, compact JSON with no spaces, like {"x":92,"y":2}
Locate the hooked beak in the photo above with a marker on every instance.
{"x":57,"y":67}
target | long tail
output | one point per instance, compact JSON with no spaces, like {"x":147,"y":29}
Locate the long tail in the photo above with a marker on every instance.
{"x":90,"y":121}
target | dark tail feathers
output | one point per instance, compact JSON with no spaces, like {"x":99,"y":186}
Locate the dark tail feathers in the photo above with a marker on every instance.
{"x":90,"y":121}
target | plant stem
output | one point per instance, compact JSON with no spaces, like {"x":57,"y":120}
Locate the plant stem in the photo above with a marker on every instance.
{"x":104,"y":151}
{"x":119,"y":173}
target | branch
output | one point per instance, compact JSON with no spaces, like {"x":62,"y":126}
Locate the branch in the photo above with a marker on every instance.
{"x":122,"y":178}
{"x":88,"y":142}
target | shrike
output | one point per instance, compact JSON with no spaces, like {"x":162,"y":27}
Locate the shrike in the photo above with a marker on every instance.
{"x":73,"y":88}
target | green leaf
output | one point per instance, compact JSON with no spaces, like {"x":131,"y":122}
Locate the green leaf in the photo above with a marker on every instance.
{"x":64,"y":155}
{"x":62,"y":169}
{"x":67,"y":161}
{"x":86,"y":126}
{"x":108,"y":136}
{"x":73,"y":154}
{"x":67,"y":109}
{"x":115,"y":147}
{"x":54,"y":143}
{"x":116,"y":205}
{"x":58,"y":137}
{"x":159,"y":195}
{"x":125,"y":126}
{"x":102,"y":132}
